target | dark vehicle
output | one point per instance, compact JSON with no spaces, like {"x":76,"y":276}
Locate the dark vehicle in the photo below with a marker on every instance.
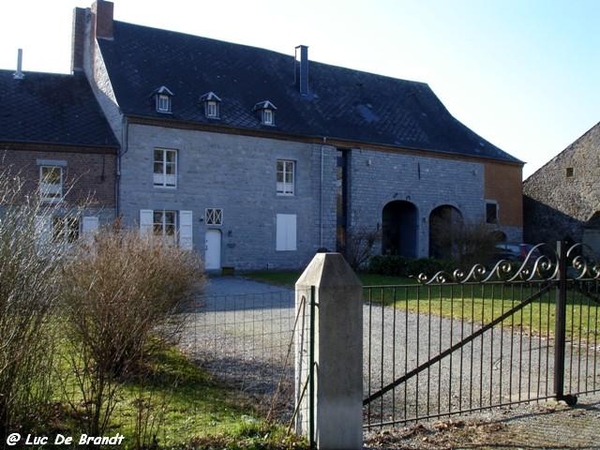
{"x":514,"y":251}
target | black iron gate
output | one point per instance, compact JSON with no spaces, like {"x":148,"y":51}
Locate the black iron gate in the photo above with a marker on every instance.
{"x":464,"y":342}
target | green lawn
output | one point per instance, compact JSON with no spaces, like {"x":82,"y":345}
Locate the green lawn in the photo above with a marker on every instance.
{"x":196,"y":409}
{"x":484,"y":303}
{"x":473,"y":302}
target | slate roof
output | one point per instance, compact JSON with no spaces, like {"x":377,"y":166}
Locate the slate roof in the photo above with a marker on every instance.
{"x":47,"y":108}
{"x":343,"y":103}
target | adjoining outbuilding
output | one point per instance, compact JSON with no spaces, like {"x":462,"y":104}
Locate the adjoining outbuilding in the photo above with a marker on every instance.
{"x":56,"y":141}
{"x":561,"y":198}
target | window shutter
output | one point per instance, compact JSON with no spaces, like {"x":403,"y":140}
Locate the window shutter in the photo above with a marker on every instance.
{"x":146,"y":221}
{"x":291,"y":232}
{"x":186,"y":240}
{"x":286,"y":232}
{"x":43,"y":231}
{"x":89,"y":225}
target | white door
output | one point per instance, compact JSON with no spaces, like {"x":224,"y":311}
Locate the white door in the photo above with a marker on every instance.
{"x":212,"y":250}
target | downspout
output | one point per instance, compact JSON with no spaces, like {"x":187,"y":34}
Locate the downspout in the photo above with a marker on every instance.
{"x":122,"y":151}
{"x":321,"y":200}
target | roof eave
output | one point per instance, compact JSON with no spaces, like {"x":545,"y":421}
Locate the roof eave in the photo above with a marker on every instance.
{"x":275,"y":133}
{"x":58,"y":146}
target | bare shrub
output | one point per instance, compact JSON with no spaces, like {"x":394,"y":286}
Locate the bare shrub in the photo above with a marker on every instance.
{"x":118,"y":292}
{"x":477,"y":243}
{"x":359,"y":246}
{"x":29,"y":271}
{"x":465,"y":244}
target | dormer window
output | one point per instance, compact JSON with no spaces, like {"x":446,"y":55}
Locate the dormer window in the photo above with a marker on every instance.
{"x":163,"y":103}
{"x":162,"y":98}
{"x":267,"y":117}
{"x":211,"y":105}
{"x":211,"y":110}
{"x":266,"y":111}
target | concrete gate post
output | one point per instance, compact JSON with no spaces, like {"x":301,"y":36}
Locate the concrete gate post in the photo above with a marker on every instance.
{"x":336,"y":351}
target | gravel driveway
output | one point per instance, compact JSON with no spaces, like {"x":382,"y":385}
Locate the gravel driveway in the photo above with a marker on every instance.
{"x":243,"y":333}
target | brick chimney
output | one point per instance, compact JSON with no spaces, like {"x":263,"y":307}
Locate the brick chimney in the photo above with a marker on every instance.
{"x":102,"y":13}
{"x":78,"y":39}
{"x":301,"y":69}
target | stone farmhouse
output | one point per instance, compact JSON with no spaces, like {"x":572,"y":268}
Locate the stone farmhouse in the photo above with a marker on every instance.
{"x":54,"y":138}
{"x":561,"y":199}
{"x":257,"y":159}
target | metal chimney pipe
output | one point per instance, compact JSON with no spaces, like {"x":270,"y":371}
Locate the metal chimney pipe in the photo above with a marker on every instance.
{"x":19,"y":75}
{"x":301,"y":69}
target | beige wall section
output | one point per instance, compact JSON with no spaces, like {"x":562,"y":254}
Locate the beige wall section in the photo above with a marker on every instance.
{"x":503,"y":183}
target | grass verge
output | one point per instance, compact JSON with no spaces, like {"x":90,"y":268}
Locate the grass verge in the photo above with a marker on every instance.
{"x":177,"y":405}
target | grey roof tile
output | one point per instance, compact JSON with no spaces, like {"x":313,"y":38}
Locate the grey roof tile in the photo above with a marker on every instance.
{"x":49,"y":108}
{"x":343,"y":103}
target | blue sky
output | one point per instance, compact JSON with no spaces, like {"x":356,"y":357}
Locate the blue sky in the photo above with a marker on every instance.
{"x":521,"y":73}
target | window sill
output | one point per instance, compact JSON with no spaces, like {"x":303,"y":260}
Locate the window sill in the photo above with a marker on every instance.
{"x":51,"y":201}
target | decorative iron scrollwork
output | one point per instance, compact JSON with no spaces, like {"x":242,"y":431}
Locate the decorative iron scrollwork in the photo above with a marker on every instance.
{"x":582,"y":263}
{"x":540,"y":264}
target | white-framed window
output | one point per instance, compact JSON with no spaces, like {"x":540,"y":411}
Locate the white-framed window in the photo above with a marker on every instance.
{"x":285,"y":176}
{"x":65,"y":228}
{"x":268,"y":118}
{"x":285,"y":239}
{"x":213,"y":216}
{"x":163,"y":103}
{"x":165,"y":167}
{"x":211,"y":103}
{"x":164,"y":223}
{"x":163,"y":100}
{"x":51,"y":183}
{"x":171,"y":225}
{"x":266,"y":111}
{"x":212,"y":109}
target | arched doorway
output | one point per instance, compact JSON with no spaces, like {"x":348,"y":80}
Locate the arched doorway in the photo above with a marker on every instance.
{"x":399,"y":229}
{"x":445,"y":222}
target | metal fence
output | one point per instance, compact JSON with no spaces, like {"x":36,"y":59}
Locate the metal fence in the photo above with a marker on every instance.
{"x":464,"y":342}
{"x":452,"y":344}
{"x":247,"y":341}
{"x":306,"y":367}
{"x":252,"y":341}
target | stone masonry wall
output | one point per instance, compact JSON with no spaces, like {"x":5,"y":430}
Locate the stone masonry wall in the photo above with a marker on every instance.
{"x":237,"y":174}
{"x":563,"y":195}
{"x":378,"y":178}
